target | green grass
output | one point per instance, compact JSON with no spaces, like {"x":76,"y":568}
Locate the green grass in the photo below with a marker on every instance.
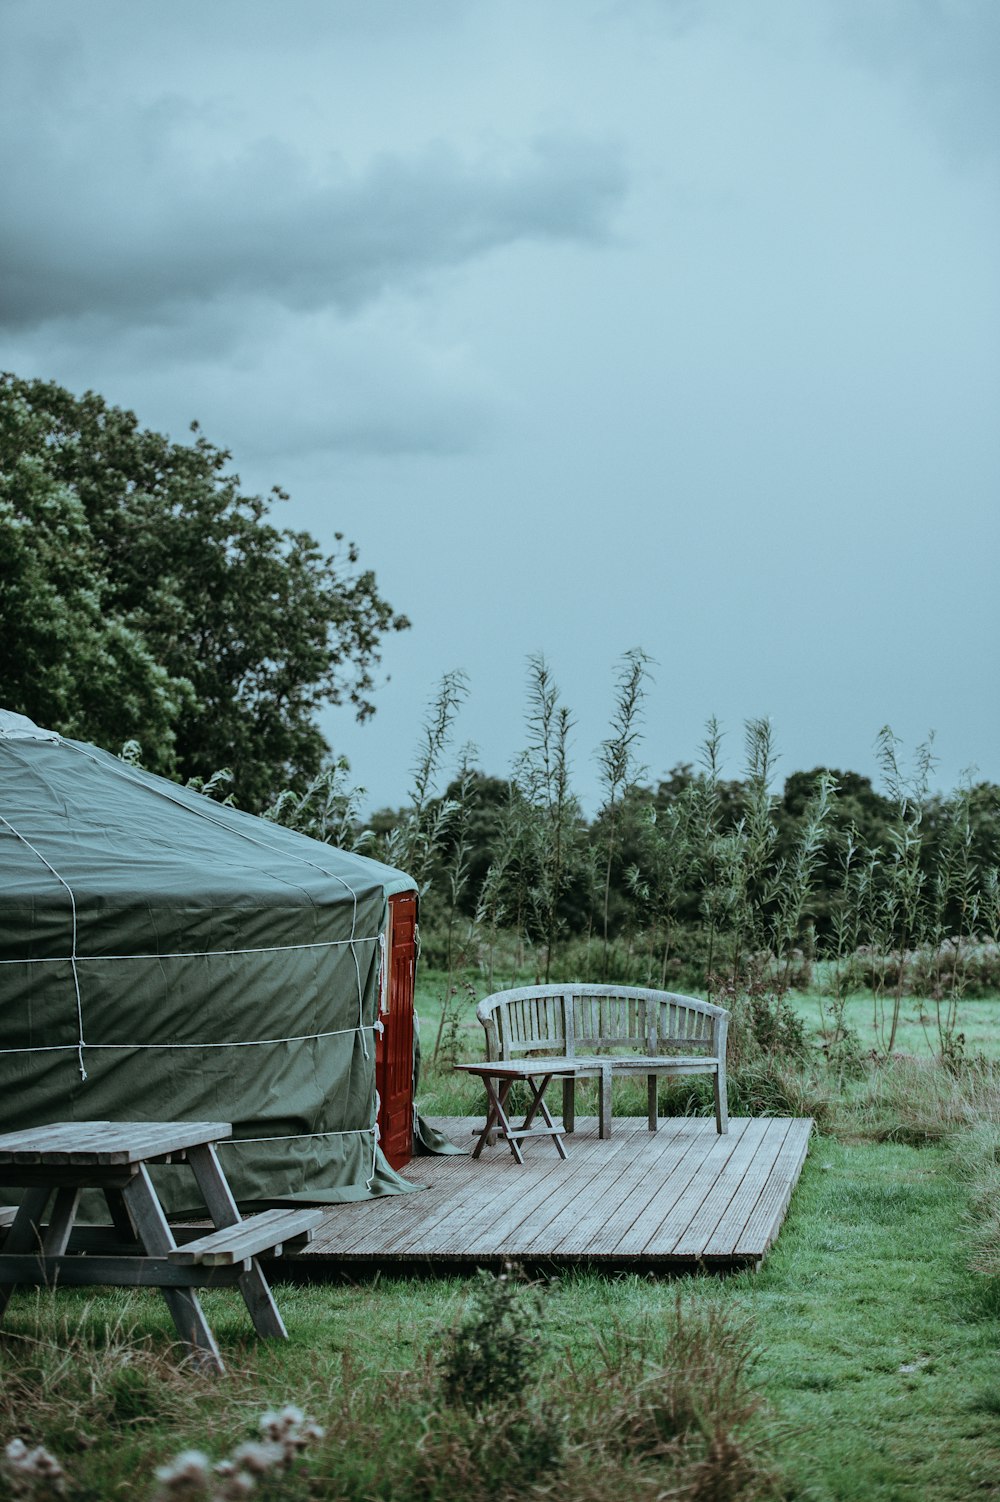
{"x":876,"y":1350}
{"x":917,"y":1033}
{"x":875,"y":1374}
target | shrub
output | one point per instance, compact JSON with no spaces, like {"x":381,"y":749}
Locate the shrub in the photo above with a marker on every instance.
{"x":680,"y":1397}
{"x":493,"y":1351}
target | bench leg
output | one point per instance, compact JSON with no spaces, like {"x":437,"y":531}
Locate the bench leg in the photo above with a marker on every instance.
{"x":721,"y":1102}
{"x":651,"y":1084}
{"x":157,"y":1238}
{"x":569,"y":1103}
{"x":61,"y":1222}
{"x":25,"y":1234}
{"x":223,"y":1209}
{"x":604,"y":1104}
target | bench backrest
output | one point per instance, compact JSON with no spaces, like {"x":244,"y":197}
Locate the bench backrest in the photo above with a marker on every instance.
{"x":586,"y":1019}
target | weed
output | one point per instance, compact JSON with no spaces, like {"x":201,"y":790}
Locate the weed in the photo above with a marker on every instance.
{"x":494,"y":1350}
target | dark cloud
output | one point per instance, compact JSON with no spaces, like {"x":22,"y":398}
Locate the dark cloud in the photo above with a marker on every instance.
{"x":135,"y":224}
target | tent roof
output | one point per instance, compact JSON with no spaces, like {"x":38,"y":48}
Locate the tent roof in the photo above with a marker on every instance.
{"x":71,"y":811}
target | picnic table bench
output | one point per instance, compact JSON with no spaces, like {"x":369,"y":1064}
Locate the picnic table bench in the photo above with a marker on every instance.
{"x":65,"y":1158}
{"x":604,"y":1031}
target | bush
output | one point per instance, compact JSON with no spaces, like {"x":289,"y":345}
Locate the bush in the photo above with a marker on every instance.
{"x":494,"y":1350}
{"x":957,"y":966}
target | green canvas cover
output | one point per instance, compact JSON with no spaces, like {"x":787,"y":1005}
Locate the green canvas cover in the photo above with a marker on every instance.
{"x":163,"y":957}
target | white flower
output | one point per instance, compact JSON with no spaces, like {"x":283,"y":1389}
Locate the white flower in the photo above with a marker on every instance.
{"x":258,"y":1457}
{"x":28,"y":1466}
{"x":186,"y":1476}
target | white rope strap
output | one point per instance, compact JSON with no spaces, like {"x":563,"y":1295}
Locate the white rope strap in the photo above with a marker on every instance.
{"x":305,"y":1137}
{"x":339,"y":1032}
{"x":73,"y":956}
{"x":195,"y":954}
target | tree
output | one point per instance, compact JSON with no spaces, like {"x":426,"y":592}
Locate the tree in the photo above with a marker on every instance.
{"x":143,"y":595}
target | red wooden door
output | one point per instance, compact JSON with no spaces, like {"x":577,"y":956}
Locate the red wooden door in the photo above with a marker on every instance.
{"x":394,"y":1049}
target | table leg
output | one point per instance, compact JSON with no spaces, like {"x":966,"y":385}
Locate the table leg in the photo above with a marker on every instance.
{"x":496,"y":1116}
{"x":25,"y":1234}
{"x":223,"y":1209}
{"x":119,"y":1214}
{"x":61,"y":1222}
{"x":157,"y":1239}
{"x":651,"y":1083}
{"x":539,"y":1104}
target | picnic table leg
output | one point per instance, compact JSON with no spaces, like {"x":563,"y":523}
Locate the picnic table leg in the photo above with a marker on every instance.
{"x":25,"y":1234}
{"x":157,"y":1239}
{"x":119,"y":1214}
{"x":61,"y":1222}
{"x":651,"y":1083}
{"x":223,"y":1209}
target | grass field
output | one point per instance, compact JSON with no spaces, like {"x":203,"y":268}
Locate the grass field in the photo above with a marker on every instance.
{"x":860,"y":1363}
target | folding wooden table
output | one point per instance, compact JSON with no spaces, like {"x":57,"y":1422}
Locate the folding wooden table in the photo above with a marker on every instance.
{"x":498,"y":1075}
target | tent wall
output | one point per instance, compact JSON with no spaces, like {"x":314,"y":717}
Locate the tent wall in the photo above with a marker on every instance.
{"x":163,"y":957}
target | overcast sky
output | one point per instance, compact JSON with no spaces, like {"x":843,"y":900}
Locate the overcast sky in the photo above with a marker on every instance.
{"x":597,"y":324}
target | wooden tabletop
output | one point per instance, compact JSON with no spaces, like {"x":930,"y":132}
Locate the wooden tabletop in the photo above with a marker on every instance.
{"x":518,"y":1069}
{"x":106,"y":1143}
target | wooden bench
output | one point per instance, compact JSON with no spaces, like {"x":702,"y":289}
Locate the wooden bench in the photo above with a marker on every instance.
{"x":610,"y":1030}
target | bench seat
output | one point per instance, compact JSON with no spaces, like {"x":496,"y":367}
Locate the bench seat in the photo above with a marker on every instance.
{"x":270,"y":1231}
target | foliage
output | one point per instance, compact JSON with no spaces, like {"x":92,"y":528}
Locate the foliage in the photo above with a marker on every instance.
{"x":142,"y":594}
{"x":327,"y":810}
{"x":619,"y":768}
{"x":413,"y":840}
{"x":494,"y":1349}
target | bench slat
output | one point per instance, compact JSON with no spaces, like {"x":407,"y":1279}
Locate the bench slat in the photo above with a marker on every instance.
{"x":259,"y":1233}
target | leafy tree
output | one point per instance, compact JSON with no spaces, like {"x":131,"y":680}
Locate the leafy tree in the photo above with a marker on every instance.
{"x":143,"y":595}
{"x":553,"y":829}
{"x":618,"y":767}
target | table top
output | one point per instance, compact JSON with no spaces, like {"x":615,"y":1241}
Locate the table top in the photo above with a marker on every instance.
{"x":519,"y":1069}
{"x":106,"y":1143}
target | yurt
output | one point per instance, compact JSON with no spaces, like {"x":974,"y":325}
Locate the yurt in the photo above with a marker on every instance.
{"x":163,"y":957}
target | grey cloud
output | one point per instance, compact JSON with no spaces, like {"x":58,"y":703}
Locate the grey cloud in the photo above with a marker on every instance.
{"x":947,"y":50}
{"x":147,"y":227}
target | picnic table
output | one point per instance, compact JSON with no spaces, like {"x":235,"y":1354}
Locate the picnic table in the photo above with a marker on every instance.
{"x":498,"y":1076}
{"x":59,"y":1161}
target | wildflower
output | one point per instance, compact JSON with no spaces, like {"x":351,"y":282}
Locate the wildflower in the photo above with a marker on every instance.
{"x":187,"y":1475}
{"x":236,"y":1484}
{"x":33,"y":1471}
{"x":290,"y":1429}
{"x":258,"y":1457}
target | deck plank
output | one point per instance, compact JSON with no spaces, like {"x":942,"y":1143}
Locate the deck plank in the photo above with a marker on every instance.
{"x":680,"y":1197}
{"x":769,"y":1212}
{"x":684,"y":1182}
{"x":604,"y":1208}
{"x":729,"y":1181}
{"x":538,"y":1230}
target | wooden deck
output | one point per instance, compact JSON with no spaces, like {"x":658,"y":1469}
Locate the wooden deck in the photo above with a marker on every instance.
{"x":682,"y":1197}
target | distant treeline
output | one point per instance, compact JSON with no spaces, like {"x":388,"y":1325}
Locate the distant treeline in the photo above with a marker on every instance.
{"x":697,"y":880}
